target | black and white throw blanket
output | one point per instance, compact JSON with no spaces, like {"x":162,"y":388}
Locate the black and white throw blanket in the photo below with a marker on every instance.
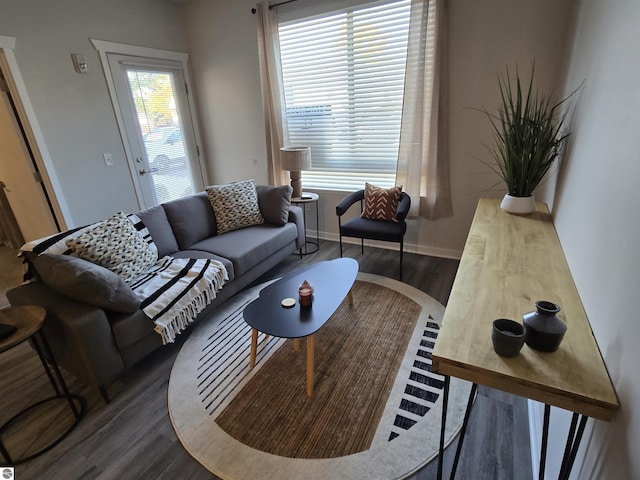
{"x":173,"y":292}
{"x":176,"y":290}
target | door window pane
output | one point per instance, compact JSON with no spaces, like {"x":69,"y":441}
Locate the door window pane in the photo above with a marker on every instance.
{"x":162,"y":133}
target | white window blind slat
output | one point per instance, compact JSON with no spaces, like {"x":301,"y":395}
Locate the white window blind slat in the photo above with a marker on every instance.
{"x":343,"y":78}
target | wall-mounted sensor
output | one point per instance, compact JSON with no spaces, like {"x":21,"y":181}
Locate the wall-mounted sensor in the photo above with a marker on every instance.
{"x":80,"y":63}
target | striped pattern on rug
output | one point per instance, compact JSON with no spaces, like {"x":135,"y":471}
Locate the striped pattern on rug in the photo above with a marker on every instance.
{"x":224,"y":363}
{"x":423,"y":386}
{"x":223,"y":372}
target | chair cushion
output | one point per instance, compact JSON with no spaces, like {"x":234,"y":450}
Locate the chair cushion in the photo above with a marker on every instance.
{"x":374,"y":229}
{"x":381,"y":203}
{"x":235,"y":205}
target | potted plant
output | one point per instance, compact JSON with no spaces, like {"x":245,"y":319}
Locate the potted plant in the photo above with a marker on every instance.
{"x":528,"y":135}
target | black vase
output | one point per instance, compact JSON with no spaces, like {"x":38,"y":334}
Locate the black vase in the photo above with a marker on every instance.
{"x":544,"y":330}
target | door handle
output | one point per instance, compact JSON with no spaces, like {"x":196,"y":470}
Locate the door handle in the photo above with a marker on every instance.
{"x":142,"y":171}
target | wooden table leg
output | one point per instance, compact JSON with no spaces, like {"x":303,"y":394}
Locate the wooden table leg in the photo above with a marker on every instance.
{"x":350,"y":295}
{"x":254,"y":347}
{"x":296,"y":344}
{"x":310,"y":365}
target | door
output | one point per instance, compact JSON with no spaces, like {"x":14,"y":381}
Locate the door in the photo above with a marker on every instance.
{"x":25,"y":196}
{"x":152,"y":98}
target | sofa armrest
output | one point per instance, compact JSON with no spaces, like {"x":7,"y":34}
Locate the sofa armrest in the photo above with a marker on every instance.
{"x":296,"y":216}
{"x":79,"y":334}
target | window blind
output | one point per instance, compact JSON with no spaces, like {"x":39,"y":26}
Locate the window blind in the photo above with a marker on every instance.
{"x":343,"y":76}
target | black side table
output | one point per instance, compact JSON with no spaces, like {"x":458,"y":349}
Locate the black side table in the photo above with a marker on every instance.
{"x":29,"y":321}
{"x":309,"y":198}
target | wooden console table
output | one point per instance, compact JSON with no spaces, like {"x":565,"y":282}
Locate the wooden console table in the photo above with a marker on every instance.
{"x":508,"y":263}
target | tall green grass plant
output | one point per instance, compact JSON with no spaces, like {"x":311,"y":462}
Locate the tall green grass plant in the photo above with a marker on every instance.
{"x":528,"y":134}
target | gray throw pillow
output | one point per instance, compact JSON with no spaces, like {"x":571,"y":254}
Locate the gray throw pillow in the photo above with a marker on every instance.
{"x":235,"y":205}
{"x":274,"y":203}
{"x":85,"y":281}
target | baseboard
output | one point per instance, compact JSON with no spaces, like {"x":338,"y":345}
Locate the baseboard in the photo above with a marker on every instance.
{"x":408,"y":247}
{"x":536,"y":418}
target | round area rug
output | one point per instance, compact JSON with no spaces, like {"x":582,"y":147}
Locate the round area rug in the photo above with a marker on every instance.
{"x":376,"y":407}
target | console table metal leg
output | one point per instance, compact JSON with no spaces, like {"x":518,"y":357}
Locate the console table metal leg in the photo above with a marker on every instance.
{"x":571,"y":448}
{"x":445,"y":402}
{"x":545,"y":437}
{"x":465,"y":423}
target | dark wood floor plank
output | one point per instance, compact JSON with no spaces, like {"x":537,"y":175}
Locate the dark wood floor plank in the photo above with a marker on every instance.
{"x":133,"y":437}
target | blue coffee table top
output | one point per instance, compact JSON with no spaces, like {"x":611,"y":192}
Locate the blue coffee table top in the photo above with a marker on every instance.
{"x":331,"y":281}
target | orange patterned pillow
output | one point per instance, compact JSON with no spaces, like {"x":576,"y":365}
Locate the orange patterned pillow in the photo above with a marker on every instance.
{"x":381,"y":203}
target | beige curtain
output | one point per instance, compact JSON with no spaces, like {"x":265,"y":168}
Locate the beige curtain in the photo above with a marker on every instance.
{"x":273,"y":105}
{"x":423,"y":157}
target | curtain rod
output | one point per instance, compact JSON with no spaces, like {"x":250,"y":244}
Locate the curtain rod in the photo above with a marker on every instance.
{"x":253,"y":10}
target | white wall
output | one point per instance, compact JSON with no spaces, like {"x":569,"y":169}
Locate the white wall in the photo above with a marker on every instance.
{"x":224,"y":52}
{"x":74,"y":111}
{"x":596,"y":216}
{"x":484,"y":37}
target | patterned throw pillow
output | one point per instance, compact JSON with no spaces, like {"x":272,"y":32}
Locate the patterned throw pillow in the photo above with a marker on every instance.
{"x":115,"y":244}
{"x":381,"y":203}
{"x":235,"y":205}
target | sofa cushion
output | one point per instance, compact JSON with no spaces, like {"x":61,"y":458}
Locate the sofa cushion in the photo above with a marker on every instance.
{"x":191,"y":219}
{"x":235,"y":205}
{"x":156,"y":221}
{"x":274,"y":203}
{"x":381,"y":203}
{"x":115,"y":244}
{"x":249,"y":246}
{"x":85,"y":281}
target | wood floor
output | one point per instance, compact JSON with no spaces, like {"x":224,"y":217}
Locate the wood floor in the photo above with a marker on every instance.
{"x":132,"y":437}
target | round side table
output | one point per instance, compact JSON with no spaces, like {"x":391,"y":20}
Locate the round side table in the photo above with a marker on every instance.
{"x":302,"y":201}
{"x":28,"y":321}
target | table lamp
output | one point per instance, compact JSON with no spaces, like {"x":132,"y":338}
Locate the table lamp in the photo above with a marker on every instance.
{"x":296,"y":159}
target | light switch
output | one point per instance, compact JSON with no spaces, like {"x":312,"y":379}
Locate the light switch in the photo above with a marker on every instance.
{"x":108,"y":159}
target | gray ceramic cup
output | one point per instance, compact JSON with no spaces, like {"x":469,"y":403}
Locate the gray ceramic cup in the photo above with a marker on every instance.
{"x":507,"y":336}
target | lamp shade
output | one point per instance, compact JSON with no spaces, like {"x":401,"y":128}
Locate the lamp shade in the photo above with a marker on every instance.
{"x":296,"y":158}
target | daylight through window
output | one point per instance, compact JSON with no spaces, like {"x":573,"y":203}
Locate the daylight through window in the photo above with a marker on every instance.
{"x":344,"y":80}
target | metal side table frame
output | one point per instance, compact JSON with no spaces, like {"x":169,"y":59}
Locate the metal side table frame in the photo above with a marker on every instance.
{"x":307,"y":198}
{"x":35,"y":333}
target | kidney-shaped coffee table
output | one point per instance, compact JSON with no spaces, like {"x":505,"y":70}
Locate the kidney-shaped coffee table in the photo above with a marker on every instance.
{"x":331,"y":280}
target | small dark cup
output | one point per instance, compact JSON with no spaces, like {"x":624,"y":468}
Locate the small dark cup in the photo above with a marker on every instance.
{"x":507,"y":336}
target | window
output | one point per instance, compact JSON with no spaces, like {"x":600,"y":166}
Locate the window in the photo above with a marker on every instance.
{"x":343,"y":76}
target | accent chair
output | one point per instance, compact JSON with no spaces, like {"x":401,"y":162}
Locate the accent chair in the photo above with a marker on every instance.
{"x":374,"y":229}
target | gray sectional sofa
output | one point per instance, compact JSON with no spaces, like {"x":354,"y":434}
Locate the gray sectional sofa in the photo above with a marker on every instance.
{"x":96,"y":344}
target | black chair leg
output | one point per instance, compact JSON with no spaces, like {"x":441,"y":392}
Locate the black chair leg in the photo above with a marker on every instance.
{"x":362,"y":245}
{"x":340,"y":246}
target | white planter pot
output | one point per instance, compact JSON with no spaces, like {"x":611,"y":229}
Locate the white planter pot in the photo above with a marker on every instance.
{"x":518,"y":205}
